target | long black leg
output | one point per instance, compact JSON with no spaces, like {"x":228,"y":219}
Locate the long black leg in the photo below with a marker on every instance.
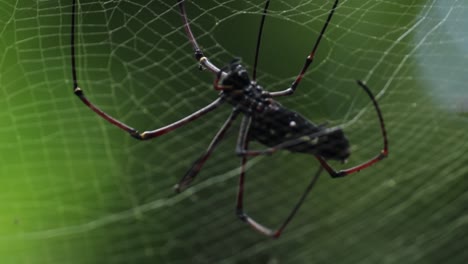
{"x":133,"y":132}
{"x":299,"y":203}
{"x":309,"y":58}
{"x":198,"y":164}
{"x":243,"y":142}
{"x":259,"y":39}
{"x":199,"y":56}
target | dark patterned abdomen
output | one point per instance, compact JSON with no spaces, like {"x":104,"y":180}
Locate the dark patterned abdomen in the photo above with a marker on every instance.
{"x":278,"y":125}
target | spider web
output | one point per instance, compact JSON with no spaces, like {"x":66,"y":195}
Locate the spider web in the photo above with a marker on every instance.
{"x":74,"y":189}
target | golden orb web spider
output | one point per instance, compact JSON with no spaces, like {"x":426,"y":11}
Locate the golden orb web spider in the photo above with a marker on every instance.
{"x":263,"y":119}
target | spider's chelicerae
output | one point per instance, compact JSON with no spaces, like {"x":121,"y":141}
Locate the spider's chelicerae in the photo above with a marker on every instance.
{"x":263,"y":119}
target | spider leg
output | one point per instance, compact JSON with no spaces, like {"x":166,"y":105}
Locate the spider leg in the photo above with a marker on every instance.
{"x":151,"y":133}
{"x":309,"y":58}
{"x":199,"y":56}
{"x":243,"y":141}
{"x":383,"y":153}
{"x":198,"y":164}
{"x":259,"y":40}
{"x":299,"y":203}
{"x":133,"y":132}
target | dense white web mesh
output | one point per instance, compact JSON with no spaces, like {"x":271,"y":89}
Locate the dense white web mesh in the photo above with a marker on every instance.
{"x":74,"y":189}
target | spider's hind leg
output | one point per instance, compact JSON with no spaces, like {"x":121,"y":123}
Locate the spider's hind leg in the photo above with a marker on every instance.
{"x":243,"y":142}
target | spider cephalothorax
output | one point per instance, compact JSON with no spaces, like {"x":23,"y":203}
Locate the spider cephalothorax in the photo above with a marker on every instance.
{"x":240,"y":91}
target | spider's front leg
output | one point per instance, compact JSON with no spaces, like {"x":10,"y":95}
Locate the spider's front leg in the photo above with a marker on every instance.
{"x":310,"y":58}
{"x":198,"y":53}
{"x":133,"y":132}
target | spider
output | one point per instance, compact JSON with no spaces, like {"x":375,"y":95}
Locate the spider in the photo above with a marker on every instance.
{"x":263,"y":119}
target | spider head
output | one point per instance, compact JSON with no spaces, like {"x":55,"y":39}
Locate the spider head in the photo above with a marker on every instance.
{"x":237,"y":76}
{"x":239,"y":90}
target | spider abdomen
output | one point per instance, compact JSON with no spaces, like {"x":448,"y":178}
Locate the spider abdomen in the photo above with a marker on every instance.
{"x":278,"y":125}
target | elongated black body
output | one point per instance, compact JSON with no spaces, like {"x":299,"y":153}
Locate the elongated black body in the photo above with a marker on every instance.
{"x":273,"y":124}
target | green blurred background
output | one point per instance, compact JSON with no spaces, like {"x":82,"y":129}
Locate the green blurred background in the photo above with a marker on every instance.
{"x":74,"y":189}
